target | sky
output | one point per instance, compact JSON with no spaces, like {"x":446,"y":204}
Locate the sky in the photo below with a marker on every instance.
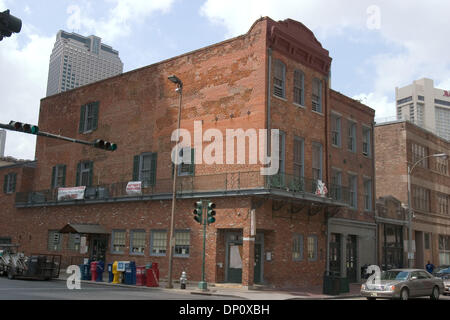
{"x":375,"y":45}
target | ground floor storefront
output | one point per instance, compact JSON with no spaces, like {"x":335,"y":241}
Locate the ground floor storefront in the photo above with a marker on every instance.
{"x":254,"y":240}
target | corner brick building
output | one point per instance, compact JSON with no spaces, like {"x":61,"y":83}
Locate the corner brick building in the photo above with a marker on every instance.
{"x":400,"y":144}
{"x":272,"y":230}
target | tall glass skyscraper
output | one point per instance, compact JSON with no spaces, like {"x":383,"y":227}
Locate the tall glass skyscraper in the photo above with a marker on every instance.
{"x":77,"y":60}
{"x":426,"y":106}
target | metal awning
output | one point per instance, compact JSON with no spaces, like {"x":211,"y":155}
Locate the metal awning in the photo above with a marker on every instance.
{"x":83,"y":229}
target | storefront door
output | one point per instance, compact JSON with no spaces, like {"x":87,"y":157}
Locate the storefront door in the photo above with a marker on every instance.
{"x":351,"y":258}
{"x":335,"y":253}
{"x":99,"y":245}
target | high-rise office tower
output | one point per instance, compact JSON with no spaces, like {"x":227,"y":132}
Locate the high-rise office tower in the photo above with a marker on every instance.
{"x":77,"y":60}
{"x":426,"y":106}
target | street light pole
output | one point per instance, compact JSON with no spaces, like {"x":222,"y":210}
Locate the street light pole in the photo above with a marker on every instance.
{"x":179,"y":89}
{"x":410,"y":211}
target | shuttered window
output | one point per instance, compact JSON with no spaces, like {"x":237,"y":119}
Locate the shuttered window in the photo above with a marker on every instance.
{"x":89,"y":117}
{"x":54,"y":240}
{"x":299,"y":87}
{"x":317,"y":161}
{"x":298,"y":157}
{"x":85,"y":172}
{"x":59,"y":176}
{"x":144,"y":168}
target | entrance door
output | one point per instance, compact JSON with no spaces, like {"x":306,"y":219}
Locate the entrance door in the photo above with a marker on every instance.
{"x":351,"y":258}
{"x":258,"y":260}
{"x":234,"y":274}
{"x":99,"y":246}
{"x":335,"y":253}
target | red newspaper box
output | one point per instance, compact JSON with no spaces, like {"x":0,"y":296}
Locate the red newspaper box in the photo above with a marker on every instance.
{"x":93,"y":270}
{"x":140,"y":276}
{"x":152,"y":277}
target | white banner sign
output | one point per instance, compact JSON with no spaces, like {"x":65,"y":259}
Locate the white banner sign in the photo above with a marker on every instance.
{"x":83,"y":246}
{"x":134,"y":187}
{"x":75,"y":193}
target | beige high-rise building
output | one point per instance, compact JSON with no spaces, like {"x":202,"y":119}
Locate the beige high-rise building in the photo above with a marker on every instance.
{"x":77,"y":60}
{"x":426,"y":106}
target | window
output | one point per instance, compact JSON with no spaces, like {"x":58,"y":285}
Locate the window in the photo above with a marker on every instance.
{"x":442,"y":203}
{"x":353,"y":188}
{"x":297,"y":248}
{"x":336,"y":184}
{"x":316,"y":161}
{"x":74,"y":242}
{"x":186,"y":168}
{"x":419,"y":153}
{"x":144,"y":168}
{"x":312,"y":248}
{"x":336,"y":130}
{"x":137,"y":244}
{"x":279,"y":79}
{"x":366,"y":142}
{"x":54,"y":240}
{"x":58,"y":176}
{"x":85,"y":173}
{"x":317,"y":95}
{"x":404,"y":100}
{"x":442,"y":165}
{"x":367,"y":194}
{"x":9,"y":184}
{"x":421,"y":198}
{"x":299,"y":87}
{"x":444,"y":250}
{"x":89,"y":117}
{"x":299,"y":157}
{"x":182,"y":243}
{"x":158,"y":243}
{"x":351,"y":139}
{"x":118,"y":241}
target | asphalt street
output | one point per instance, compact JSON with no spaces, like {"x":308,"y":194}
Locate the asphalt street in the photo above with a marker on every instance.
{"x":57,"y":290}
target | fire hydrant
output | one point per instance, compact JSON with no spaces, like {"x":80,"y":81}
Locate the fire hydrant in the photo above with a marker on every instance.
{"x":183,"y":280}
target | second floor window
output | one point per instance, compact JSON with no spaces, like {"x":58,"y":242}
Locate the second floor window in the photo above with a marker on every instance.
{"x":54,"y":240}
{"x":353,"y":188}
{"x":58,"y":176}
{"x":144,"y":168}
{"x":368,"y":195}
{"x":418,"y":153}
{"x":9,"y":183}
{"x":336,"y":180}
{"x":421,"y":198}
{"x":317,"y":95}
{"x":443,"y":201}
{"x":89,"y":117}
{"x":85,"y":173}
{"x":317,"y":161}
{"x":279,"y":79}
{"x":298,"y":157}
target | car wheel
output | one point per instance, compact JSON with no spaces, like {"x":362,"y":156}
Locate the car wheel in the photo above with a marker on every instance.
{"x":435,"y":294}
{"x":404,"y":294}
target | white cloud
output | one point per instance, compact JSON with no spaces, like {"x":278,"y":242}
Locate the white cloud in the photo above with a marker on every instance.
{"x":119,"y":20}
{"x":23,"y":82}
{"x":418,"y":27}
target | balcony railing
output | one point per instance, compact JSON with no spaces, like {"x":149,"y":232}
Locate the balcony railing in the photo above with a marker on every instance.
{"x":217,"y":184}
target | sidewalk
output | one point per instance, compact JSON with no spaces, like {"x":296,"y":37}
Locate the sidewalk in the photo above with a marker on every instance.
{"x":258,"y":292}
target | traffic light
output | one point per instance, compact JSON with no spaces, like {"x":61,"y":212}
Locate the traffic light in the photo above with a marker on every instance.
{"x":106,"y":145}
{"x":9,"y":24}
{"x":23,"y":127}
{"x":210,"y":212}
{"x":198,"y":211}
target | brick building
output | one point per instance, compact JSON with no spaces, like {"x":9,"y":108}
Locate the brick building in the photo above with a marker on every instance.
{"x":272,"y":230}
{"x":400,"y":144}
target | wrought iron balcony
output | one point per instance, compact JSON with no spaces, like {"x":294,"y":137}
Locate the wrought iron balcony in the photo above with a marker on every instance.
{"x":214,"y":185}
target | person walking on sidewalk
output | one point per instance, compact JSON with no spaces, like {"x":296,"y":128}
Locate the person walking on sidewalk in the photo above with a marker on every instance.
{"x":429,"y":267}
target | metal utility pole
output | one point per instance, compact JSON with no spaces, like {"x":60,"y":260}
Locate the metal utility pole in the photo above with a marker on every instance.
{"x":179,"y":89}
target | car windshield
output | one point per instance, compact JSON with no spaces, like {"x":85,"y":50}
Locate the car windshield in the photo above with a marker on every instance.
{"x":394,"y":275}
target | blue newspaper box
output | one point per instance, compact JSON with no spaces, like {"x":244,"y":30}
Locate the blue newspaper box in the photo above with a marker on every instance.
{"x":100,"y":270}
{"x":111,"y":275}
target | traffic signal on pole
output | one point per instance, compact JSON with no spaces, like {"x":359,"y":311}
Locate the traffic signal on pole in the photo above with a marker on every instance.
{"x":9,"y":24}
{"x":105,"y":145}
{"x":210,"y":212}
{"x":23,"y":127}
{"x":198,"y":211}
